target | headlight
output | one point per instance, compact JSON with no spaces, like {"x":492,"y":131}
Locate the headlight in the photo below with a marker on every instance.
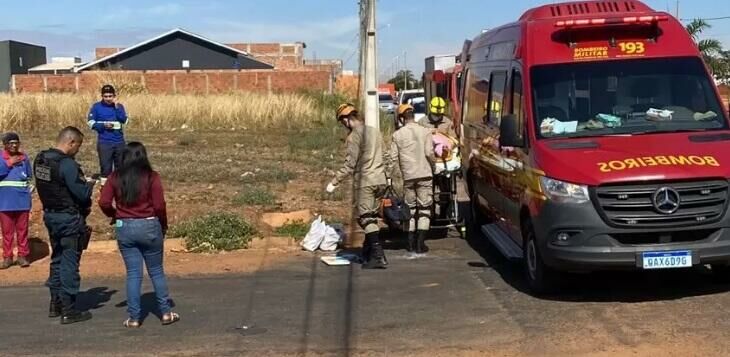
{"x":564,"y":192}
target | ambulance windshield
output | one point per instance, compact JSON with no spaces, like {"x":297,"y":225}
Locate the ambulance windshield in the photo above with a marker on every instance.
{"x":624,"y":97}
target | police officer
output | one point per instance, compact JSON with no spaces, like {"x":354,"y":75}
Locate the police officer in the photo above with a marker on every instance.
{"x":437,"y":119}
{"x":365,"y":161}
{"x":66,"y":199}
{"x":412,"y":147}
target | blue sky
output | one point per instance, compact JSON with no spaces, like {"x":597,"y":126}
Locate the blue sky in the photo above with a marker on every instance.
{"x":329,"y":27}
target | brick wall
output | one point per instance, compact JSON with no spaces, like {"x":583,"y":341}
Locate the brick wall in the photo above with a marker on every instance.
{"x":281,"y":56}
{"x":178,"y":82}
{"x":348,"y":85}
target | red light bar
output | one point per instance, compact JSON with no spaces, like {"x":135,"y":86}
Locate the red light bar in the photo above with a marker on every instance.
{"x":612,"y":21}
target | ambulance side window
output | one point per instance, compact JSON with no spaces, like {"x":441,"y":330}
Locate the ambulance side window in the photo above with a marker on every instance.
{"x":517,"y":99}
{"x":496,"y":98}
{"x":475,"y":96}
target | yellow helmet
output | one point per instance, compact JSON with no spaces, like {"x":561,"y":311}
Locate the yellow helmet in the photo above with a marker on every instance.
{"x":403,"y":108}
{"x":438,"y":106}
{"x":345,"y":110}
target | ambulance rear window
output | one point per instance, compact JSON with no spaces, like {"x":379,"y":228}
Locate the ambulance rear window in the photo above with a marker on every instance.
{"x":635,"y":96}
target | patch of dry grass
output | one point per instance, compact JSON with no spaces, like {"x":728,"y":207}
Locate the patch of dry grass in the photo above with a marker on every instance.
{"x":33,"y":112}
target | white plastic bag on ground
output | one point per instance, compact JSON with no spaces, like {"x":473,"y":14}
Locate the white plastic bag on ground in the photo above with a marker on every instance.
{"x":331,"y":240}
{"x":315,"y":236}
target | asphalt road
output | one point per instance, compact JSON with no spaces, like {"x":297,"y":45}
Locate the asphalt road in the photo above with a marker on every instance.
{"x":462,"y":299}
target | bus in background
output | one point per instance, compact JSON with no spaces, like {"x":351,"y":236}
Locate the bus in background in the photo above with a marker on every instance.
{"x":594,"y":138}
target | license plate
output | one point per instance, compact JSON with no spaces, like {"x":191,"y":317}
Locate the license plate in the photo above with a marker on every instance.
{"x":667,"y":260}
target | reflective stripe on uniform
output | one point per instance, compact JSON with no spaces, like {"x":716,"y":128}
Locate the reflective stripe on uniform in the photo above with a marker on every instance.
{"x":13,"y":183}
{"x":91,"y":123}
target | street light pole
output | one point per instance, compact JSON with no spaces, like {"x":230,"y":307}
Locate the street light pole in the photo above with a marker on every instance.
{"x":405,"y":71}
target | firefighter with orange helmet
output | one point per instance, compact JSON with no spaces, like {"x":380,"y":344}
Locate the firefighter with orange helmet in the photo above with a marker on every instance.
{"x":365,"y":162}
{"x":412,"y":149}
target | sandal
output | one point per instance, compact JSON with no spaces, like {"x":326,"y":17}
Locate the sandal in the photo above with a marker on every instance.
{"x":130,"y":323}
{"x":170,"y":318}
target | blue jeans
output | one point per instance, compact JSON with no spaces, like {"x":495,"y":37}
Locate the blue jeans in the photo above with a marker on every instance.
{"x":110,"y":157}
{"x":141,"y":241}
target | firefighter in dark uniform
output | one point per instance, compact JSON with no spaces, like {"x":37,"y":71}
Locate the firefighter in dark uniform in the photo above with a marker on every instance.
{"x":66,"y":198}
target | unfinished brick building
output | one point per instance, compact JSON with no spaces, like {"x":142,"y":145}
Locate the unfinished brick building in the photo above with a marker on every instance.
{"x":179,"y":61}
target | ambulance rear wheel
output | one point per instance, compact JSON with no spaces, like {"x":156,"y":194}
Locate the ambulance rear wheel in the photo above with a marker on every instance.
{"x":541,"y":279}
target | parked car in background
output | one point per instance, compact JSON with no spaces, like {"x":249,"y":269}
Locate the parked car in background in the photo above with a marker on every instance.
{"x":405,"y":95}
{"x":419,"y":107}
{"x":386,"y":104}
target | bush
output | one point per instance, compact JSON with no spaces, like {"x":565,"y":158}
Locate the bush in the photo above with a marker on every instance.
{"x":215,"y":232}
{"x":296,"y":230}
{"x":254,"y":196}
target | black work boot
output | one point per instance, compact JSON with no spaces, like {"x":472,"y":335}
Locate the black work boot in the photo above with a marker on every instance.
{"x":421,"y":247}
{"x":366,"y":250}
{"x":74,"y":316}
{"x":376,"y":260}
{"x":411,"y":242}
{"x":55,"y":309}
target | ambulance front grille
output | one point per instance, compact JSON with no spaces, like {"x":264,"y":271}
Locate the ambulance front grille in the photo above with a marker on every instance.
{"x":633,"y":206}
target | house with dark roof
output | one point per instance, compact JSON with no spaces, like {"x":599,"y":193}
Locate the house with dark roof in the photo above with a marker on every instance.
{"x":176,"y":49}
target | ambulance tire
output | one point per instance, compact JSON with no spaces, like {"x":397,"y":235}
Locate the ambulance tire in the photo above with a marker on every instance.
{"x":720,"y":273}
{"x":476,"y":218}
{"x":541,"y":279}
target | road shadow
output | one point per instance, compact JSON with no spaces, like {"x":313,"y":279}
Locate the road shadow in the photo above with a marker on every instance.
{"x":148,"y":305}
{"x":398,"y":240}
{"x":605,"y":286}
{"x":39,"y":249}
{"x":94,"y":298}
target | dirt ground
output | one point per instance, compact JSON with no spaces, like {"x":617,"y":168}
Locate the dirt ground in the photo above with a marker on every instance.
{"x":103,"y":261}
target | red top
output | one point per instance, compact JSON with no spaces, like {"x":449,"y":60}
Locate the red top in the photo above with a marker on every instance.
{"x":151,"y":202}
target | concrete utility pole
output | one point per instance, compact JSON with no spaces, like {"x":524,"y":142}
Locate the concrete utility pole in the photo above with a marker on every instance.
{"x":369,"y":69}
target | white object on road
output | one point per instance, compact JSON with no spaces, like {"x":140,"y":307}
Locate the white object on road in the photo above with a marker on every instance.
{"x":330,"y":188}
{"x":321,"y":236}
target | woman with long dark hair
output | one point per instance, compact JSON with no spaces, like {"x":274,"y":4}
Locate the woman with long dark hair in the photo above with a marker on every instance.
{"x":134,"y":199}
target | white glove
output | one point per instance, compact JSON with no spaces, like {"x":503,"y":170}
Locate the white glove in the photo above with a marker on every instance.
{"x":331,"y":188}
{"x":31,"y":187}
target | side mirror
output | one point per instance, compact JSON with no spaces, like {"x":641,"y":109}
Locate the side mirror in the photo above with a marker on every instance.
{"x":510,"y":132}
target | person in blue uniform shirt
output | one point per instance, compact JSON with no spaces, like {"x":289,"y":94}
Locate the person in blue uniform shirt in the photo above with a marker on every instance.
{"x":66,"y":197}
{"x":107,"y":117}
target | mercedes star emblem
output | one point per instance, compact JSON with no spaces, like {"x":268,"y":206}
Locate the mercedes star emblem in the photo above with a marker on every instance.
{"x":666,"y":200}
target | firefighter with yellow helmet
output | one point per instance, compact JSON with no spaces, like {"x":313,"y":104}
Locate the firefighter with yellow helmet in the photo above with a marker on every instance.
{"x":412,"y":149}
{"x":437,"y":119}
{"x":365,"y":162}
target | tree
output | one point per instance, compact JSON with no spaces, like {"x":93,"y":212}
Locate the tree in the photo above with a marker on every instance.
{"x":722,"y":71}
{"x":400,"y":80}
{"x":711,"y":49}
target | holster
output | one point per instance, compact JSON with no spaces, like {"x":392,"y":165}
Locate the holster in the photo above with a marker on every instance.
{"x":85,"y":238}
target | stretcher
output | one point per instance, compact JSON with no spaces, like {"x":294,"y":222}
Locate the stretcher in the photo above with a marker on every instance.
{"x":447,"y":171}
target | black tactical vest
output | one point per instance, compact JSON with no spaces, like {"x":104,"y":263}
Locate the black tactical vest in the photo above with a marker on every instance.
{"x":52,"y":191}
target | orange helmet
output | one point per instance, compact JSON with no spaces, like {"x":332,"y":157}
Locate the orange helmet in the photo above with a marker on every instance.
{"x":345,"y":110}
{"x":403,"y":108}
